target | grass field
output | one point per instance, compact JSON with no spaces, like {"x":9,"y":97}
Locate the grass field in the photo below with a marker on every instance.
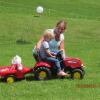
{"x":18,"y":21}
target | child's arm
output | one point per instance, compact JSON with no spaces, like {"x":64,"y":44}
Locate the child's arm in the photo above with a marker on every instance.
{"x":49,"y":53}
{"x":46,"y":48}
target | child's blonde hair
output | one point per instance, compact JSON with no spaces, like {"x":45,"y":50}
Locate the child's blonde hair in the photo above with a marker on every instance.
{"x":48,"y":35}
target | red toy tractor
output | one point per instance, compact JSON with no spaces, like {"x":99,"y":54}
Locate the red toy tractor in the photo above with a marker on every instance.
{"x":11,"y":73}
{"x":73,"y":66}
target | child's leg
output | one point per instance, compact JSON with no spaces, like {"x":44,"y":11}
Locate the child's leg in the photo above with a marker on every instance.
{"x":55,"y":62}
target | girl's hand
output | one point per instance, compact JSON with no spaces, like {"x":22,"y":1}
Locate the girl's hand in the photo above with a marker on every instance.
{"x":54,"y":56}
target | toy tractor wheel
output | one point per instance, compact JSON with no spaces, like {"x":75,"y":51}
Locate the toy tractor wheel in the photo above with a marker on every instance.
{"x":77,"y":74}
{"x":10,"y":79}
{"x":83,"y":71}
{"x":42,"y":73}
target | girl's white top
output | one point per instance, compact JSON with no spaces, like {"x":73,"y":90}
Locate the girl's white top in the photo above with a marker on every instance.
{"x":53,"y":44}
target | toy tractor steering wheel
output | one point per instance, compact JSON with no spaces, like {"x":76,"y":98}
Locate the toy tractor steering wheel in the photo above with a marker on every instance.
{"x":59,"y":55}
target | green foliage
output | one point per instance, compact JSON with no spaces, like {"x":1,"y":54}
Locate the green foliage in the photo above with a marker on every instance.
{"x":21,"y":28}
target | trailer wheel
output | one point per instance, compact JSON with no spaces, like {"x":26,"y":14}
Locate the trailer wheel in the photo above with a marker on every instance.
{"x":10,"y":79}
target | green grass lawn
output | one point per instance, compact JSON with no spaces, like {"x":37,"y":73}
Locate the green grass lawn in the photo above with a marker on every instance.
{"x":18,"y":21}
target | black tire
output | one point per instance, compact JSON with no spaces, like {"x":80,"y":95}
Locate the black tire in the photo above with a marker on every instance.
{"x":83,"y":71}
{"x":42,"y":73}
{"x":10,"y":79}
{"x":77,"y":74}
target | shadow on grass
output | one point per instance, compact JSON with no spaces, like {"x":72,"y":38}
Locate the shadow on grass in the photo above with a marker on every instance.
{"x":36,"y":16}
{"x":22,"y":41}
{"x":53,"y":78}
{"x":31,"y":78}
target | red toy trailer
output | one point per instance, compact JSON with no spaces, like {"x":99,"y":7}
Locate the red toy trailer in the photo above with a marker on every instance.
{"x":11,"y":73}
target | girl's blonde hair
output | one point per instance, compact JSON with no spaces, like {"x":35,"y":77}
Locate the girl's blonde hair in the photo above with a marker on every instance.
{"x":48,"y":35}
